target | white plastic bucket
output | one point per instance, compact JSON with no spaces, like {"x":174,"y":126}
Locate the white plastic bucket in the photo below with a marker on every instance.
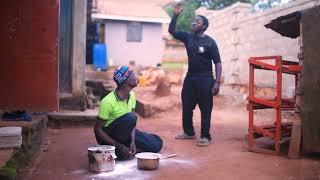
{"x":101,"y":158}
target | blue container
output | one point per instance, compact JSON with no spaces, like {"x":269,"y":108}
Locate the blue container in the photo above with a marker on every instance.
{"x":100,"y":56}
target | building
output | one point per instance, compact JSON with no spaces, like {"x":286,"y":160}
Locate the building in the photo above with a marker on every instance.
{"x":132,"y":31}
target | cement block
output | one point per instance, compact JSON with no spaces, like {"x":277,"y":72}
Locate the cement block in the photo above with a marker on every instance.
{"x":10,"y":131}
{"x":10,"y":142}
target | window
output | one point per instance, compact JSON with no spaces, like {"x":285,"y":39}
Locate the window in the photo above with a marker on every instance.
{"x":134,"y":32}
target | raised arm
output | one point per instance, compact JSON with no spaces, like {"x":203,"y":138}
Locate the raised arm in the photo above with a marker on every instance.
{"x":177,"y":11}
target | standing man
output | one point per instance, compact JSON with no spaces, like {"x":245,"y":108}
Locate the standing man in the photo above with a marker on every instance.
{"x":199,"y":87}
{"x":116,"y":123}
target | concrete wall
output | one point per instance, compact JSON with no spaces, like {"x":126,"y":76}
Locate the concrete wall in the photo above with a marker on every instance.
{"x":310,"y":81}
{"x":148,"y":52}
{"x":240,"y":34}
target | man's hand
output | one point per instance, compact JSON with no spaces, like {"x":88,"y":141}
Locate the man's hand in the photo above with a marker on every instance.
{"x":216,"y":88}
{"x":123,"y":150}
{"x":133,"y":149}
{"x":178,"y":9}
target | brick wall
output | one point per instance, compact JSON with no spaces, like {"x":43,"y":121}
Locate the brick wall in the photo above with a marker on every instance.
{"x":240,"y":34}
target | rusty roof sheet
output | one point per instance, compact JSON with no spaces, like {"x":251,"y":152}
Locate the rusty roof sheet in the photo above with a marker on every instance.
{"x":288,"y":25}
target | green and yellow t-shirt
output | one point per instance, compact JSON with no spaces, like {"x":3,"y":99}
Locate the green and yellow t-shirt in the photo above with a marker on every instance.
{"x":111,"y":107}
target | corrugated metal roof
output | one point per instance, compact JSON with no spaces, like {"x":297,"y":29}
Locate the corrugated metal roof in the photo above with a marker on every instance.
{"x":288,"y":25}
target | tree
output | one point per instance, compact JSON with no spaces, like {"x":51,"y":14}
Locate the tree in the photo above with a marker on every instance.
{"x":187,"y":16}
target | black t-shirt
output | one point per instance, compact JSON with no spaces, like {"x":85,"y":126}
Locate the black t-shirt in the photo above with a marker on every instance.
{"x":201,"y":52}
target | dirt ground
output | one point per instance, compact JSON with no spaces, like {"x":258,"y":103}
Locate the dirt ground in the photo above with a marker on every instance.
{"x":64,"y":152}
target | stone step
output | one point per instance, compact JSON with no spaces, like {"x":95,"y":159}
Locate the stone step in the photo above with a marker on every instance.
{"x":99,"y":88}
{"x":92,"y":74}
{"x":109,"y":86}
{"x":32,"y":133}
{"x":73,"y":118}
{"x":10,"y":131}
{"x":31,"y":130}
{"x":10,"y":137}
{"x":99,"y":75}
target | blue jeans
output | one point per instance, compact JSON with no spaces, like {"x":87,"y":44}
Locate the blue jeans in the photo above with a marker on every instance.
{"x":197,"y":89}
{"x":120,"y":130}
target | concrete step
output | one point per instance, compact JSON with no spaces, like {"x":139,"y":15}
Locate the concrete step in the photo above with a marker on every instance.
{"x":32,"y":133}
{"x":99,"y":88}
{"x":92,"y":74}
{"x":73,"y":118}
{"x":110,"y":86}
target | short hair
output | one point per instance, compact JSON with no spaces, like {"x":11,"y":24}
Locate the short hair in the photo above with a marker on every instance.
{"x":205,"y":22}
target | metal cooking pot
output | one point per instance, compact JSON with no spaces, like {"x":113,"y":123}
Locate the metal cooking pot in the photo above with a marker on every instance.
{"x":150,"y":161}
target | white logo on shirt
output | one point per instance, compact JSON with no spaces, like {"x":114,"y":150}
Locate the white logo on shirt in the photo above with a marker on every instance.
{"x":201,"y":49}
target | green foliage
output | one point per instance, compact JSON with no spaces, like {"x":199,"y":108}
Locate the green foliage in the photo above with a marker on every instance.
{"x":8,"y":173}
{"x":186,"y":17}
{"x":168,"y":66}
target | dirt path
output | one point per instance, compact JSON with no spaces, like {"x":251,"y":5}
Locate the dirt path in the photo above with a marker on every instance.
{"x":64,"y":155}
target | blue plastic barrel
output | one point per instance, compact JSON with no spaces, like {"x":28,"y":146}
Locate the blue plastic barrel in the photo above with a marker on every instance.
{"x":100,"y":56}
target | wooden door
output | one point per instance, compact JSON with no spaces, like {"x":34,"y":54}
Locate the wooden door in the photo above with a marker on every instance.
{"x":29,"y":55}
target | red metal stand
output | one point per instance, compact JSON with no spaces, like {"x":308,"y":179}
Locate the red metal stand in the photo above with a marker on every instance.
{"x":277,"y":130}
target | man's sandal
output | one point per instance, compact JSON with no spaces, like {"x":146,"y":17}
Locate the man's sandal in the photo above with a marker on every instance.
{"x":203,"y":142}
{"x":185,"y":136}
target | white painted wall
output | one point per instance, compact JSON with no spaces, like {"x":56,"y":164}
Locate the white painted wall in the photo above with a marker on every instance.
{"x":147,"y":53}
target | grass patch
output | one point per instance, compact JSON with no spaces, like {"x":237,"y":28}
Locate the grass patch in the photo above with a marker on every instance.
{"x":173,"y":65}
